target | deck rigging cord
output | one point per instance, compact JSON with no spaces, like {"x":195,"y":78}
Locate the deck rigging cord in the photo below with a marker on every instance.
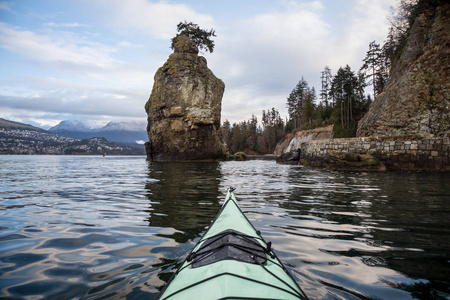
{"x":234,"y":245}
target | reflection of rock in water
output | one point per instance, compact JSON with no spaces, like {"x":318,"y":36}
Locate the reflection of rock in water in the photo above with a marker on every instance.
{"x":184,"y":196}
{"x":183,"y":200}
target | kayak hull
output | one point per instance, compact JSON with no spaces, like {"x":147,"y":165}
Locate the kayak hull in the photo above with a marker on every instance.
{"x":216,"y":267}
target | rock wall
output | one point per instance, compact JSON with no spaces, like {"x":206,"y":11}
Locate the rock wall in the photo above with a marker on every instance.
{"x":184,"y":108}
{"x":417,"y":99}
{"x":414,"y":153}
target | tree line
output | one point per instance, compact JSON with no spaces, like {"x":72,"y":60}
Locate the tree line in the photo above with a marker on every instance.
{"x":251,"y":137}
{"x":342,"y":101}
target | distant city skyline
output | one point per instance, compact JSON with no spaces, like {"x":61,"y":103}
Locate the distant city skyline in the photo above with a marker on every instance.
{"x":95,"y":60}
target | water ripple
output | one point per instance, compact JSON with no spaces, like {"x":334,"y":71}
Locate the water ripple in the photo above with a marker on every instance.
{"x":118,"y":227}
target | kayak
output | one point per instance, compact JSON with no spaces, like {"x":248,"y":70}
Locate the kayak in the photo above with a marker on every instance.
{"x":232,"y":261}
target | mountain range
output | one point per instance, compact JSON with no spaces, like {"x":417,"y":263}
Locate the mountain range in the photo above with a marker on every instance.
{"x":123,"y":132}
{"x":18,"y":138}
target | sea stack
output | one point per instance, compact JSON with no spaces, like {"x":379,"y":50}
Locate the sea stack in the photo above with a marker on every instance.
{"x":184,"y":108}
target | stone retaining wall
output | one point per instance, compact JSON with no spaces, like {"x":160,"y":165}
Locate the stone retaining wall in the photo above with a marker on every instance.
{"x":418,"y":152}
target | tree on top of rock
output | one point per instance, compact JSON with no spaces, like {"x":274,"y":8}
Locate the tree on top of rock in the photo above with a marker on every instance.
{"x":201,"y":38}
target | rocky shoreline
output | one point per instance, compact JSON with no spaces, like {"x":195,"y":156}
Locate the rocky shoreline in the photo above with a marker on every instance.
{"x":390,"y":153}
{"x":407,"y":127}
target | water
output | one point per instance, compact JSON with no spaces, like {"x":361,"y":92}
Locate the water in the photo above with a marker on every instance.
{"x":118,"y":227}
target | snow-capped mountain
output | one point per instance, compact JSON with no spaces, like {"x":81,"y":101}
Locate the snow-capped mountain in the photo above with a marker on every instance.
{"x":125,"y":132}
{"x":124,"y":126}
{"x":69,"y":125}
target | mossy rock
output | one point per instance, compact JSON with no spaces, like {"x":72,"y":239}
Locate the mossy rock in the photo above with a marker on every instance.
{"x":241,"y":156}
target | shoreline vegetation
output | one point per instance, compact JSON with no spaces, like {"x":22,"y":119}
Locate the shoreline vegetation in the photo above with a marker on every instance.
{"x":410,"y":89}
{"x":340,"y":105}
{"x":342,"y":101}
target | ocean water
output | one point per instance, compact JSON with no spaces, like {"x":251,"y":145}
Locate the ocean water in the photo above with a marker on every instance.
{"x":87,"y":227}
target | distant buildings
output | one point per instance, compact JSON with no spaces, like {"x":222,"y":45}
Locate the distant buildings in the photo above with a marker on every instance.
{"x":21,"y":141}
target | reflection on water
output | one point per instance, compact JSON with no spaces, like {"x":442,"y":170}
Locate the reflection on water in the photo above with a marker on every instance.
{"x":118,"y":227}
{"x":185,"y":198}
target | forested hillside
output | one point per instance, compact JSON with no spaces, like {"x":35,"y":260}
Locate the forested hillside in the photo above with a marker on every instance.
{"x":343,"y":98}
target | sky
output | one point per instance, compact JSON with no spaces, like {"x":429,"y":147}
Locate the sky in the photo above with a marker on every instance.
{"x":94,"y":60}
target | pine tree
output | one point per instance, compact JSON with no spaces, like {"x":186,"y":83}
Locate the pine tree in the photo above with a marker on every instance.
{"x":326,"y":78}
{"x":295,"y":103}
{"x":252,"y":135}
{"x":226,"y":132}
{"x":373,"y":64}
{"x":309,"y":106}
{"x":201,"y":38}
{"x":348,"y":90}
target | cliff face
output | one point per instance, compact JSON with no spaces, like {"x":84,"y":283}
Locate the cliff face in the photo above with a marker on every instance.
{"x":417,"y":100}
{"x":184,"y":108}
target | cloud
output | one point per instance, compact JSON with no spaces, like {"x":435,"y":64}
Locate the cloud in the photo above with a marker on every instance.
{"x":262,"y":58}
{"x":73,"y":55}
{"x":70,"y":25}
{"x":62,"y":97}
{"x":127,"y":44}
{"x":366,"y":22}
{"x":97,"y":104}
{"x":279,"y":40}
{"x":240,"y":103}
{"x":157,"y":19}
{"x":103,"y":63}
{"x":5,"y":6}
{"x":62,"y":50}
{"x":90,"y":80}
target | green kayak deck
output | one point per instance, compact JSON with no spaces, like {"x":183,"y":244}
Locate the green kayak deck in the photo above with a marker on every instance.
{"x":232,"y":261}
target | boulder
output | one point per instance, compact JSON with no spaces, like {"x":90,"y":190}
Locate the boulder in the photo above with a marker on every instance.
{"x":291,"y":157}
{"x":184,"y":108}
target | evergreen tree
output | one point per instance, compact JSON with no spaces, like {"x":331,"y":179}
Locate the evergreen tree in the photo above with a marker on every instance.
{"x":292,"y":106}
{"x":373,"y":64}
{"x":401,"y":19}
{"x":226,"y":132}
{"x":295,"y":103}
{"x":348,"y":90}
{"x":248,"y":137}
{"x":252,"y":134}
{"x":273,"y":131}
{"x":201,"y":38}
{"x":326,"y":78}
{"x":309,"y":106}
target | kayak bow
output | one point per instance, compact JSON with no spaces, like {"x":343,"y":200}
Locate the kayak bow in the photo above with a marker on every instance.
{"x":232,"y":261}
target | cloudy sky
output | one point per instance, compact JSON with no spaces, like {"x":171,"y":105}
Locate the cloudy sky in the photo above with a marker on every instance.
{"x":95,"y":59}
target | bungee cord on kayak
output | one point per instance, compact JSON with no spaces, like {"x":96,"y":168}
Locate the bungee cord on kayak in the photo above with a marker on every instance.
{"x":232,"y":260}
{"x":229,"y":244}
